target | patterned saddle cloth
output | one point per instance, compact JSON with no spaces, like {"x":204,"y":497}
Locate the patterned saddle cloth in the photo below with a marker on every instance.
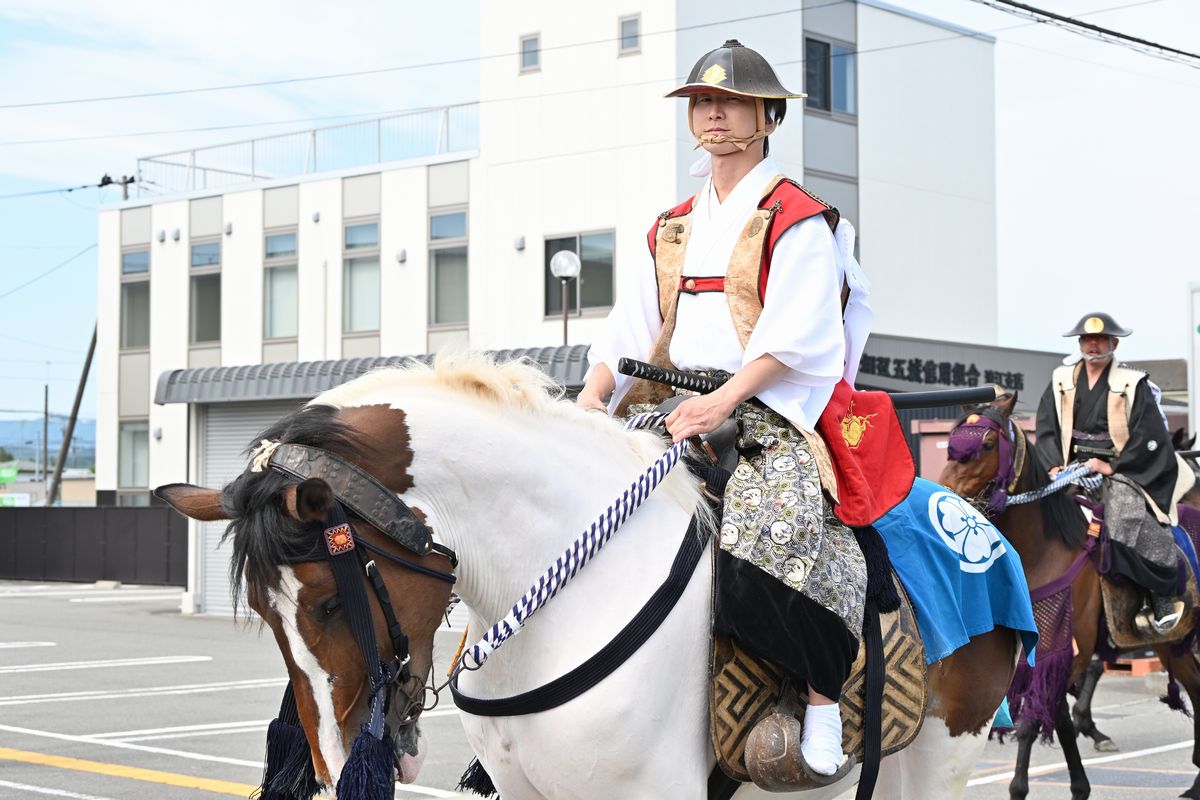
{"x":744,"y":689}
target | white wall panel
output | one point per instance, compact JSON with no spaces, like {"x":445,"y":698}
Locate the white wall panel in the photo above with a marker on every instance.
{"x":242,"y":280}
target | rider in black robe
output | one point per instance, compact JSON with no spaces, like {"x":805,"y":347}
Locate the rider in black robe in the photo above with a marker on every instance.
{"x":1141,"y":547}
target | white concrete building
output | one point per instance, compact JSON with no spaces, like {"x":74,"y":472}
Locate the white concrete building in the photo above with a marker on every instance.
{"x":405,"y":235}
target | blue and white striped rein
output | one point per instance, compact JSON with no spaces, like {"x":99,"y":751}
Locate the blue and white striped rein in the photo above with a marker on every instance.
{"x":586,"y":545}
{"x":1079,"y":474}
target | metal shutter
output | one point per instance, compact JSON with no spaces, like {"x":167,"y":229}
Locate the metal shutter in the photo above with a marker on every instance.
{"x":225,"y":431}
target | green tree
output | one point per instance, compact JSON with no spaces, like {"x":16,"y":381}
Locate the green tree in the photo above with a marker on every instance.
{"x":6,"y":456}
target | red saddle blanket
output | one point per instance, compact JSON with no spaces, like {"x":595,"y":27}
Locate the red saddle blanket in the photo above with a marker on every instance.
{"x":870,"y":455}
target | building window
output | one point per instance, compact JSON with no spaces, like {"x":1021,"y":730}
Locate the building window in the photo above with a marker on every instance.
{"x":135,"y":262}
{"x":360,"y":295}
{"x":531,"y":53}
{"x":829,"y":76}
{"x":362,"y":236}
{"x":135,"y":314}
{"x":629,"y":31}
{"x":281,"y":296}
{"x":133,"y":455}
{"x":594,"y":288}
{"x":280,"y":245}
{"x":448,"y":268}
{"x":360,"y":277}
{"x":204,"y":326}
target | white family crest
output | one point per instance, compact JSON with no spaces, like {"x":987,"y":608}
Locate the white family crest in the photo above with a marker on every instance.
{"x":964,"y":530}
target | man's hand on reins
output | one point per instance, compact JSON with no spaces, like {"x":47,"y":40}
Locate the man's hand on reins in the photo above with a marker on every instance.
{"x":700,"y":414}
{"x":1099,"y":466}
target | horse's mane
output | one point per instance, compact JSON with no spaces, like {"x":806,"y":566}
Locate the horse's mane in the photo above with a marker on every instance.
{"x":264,"y":536}
{"x":1062,"y":518}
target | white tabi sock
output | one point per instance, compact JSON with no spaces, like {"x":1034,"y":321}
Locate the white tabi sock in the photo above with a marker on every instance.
{"x":821,"y":743}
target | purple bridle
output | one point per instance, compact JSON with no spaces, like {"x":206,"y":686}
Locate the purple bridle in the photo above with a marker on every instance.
{"x":966,"y":442}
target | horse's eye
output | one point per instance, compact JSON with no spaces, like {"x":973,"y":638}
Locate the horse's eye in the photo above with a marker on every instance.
{"x":989,"y":445}
{"x":330,"y":607}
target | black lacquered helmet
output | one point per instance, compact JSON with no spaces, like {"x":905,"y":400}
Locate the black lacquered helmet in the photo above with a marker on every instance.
{"x":1098,"y":324}
{"x":736,"y":69}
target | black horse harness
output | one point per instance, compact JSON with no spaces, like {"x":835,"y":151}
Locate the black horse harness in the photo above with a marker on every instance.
{"x":371,"y":502}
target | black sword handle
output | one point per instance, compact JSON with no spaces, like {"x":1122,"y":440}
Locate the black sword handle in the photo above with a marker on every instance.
{"x":703,"y":384}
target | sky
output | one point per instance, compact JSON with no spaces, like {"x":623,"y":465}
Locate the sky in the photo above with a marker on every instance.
{"x":1096,"y":160}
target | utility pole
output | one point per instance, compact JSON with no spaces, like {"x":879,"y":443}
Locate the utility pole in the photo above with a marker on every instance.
{"x":56,"y":481}
{"x":45,"y":433}
{"x":106,"y":180}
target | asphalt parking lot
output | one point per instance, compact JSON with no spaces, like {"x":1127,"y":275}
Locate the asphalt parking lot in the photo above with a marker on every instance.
{"x":112,"y":694}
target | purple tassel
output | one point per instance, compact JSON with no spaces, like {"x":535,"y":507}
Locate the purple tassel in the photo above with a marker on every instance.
{"x":1037,"y":693}
{"x":1173,"y":699}
{"x":370,"y":770}
{"x":289,"y":773}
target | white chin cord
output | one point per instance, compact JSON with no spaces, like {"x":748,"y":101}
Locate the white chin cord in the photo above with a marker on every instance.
{"x":1097,"y":356}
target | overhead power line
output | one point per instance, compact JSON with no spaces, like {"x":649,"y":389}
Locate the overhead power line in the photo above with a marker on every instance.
{"x":400,"y":67}
{"x":1087,"y":29}
{"x":418,"y":109}
{"x":55,"y":268}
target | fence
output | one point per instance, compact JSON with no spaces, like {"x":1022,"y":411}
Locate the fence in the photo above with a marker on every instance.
{"x":132,"y":545}
{"x":353,"y":144}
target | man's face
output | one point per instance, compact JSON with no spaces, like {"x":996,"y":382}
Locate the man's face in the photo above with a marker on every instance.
{"x":1096,"y":345}
{"x":717,"y":113}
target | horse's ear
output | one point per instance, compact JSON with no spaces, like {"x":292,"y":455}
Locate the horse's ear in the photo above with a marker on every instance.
{"x":308,"y":501}
{"x":1006,"y":402}
{"x":193,"y":501}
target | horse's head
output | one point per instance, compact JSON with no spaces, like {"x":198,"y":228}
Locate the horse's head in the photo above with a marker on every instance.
{"x":980,"y":452}
{"x":279,"y":526}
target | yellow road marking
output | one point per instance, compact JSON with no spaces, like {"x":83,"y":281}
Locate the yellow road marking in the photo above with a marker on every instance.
{"x":132,"y":773}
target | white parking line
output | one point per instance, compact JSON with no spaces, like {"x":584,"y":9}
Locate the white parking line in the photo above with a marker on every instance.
{"x":18,"y":645}
{"x":1004,"y":777}
{"x":65,"y":737}
{"x":179,"y":728}
{"x":148,"y":691}
{"x":25,"y":787}
{"x":111,"y":662}
{"x":128,"y":598}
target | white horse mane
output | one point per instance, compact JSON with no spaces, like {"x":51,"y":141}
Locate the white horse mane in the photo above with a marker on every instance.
{"x":519,"y":386}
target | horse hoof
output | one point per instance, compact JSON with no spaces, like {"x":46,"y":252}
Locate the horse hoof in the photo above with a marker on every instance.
{"x":1106,"y":746}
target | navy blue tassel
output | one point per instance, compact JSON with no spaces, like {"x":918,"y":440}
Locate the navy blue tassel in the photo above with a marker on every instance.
{"x":369,"y":772}
{"x":880,"y":586}
{"x":289,"y":773}
{"x":476,"y":780}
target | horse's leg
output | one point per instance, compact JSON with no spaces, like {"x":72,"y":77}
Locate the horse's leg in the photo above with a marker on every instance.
{"x":1027,"y":734}
{"x":1067,"y":738}
{"x":1081,"y":715}
{"x":965,"y":689}
{"x":1187,"y":672}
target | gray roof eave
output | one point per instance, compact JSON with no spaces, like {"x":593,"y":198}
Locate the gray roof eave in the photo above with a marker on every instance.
{"x":304,"y":380}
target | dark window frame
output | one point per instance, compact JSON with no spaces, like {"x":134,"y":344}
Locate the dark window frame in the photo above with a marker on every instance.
{"x":822,"y":98}
{"x":577,"y":307}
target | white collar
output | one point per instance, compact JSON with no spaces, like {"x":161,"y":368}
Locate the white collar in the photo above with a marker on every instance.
{"x":745,"y":195}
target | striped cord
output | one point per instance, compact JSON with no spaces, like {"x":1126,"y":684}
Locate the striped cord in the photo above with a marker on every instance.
{"x":1079,"y":474}
{"x":577,"y":555}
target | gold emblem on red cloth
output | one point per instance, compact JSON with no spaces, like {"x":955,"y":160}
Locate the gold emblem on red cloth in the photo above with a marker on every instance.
{"x":714,"y":74}
{"x":339,"y":539}
{"x":854,"y":426}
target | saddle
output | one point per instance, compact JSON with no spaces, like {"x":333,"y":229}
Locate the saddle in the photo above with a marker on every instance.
{"x":1128,"y":623}
{"x":746,"y":691}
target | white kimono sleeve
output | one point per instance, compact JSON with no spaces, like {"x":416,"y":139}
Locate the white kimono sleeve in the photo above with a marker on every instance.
{"x":801,"y":323}
{"x":632,"y":327}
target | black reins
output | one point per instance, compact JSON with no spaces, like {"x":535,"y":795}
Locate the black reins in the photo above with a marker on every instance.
{"x":373,"y":503}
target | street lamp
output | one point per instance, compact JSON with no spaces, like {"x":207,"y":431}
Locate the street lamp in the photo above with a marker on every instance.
{"x":565,"y":266}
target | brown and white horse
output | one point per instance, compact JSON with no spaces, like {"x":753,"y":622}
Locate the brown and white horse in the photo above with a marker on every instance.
{"x":506,"y":474}
{"x":1049,"y":536}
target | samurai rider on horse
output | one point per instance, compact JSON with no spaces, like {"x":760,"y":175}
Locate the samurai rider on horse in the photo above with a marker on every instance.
{"x":700,"y":309}
{"x":1104,"y":414}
